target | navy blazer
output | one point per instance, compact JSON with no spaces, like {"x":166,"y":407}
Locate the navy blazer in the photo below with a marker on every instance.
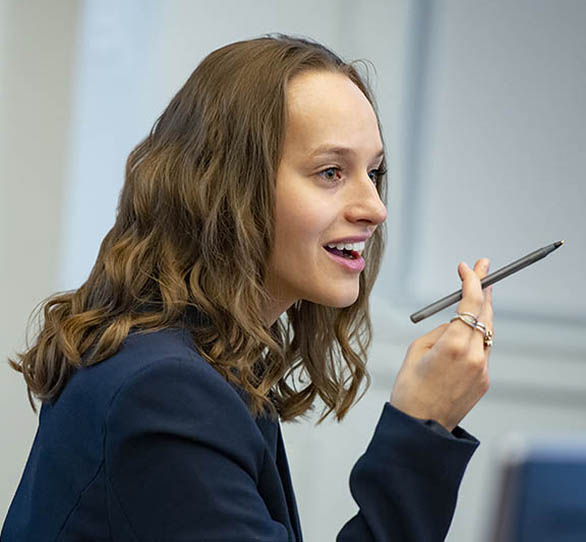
{"x":153,"y":444}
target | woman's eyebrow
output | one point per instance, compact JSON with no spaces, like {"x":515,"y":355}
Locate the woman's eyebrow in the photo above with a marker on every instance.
{"x":339,"y":151}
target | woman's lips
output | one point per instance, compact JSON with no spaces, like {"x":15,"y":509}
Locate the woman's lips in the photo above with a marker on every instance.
{"x":355,"y":265}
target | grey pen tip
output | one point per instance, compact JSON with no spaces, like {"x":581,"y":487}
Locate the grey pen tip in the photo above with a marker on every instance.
{"x":559,"y":243}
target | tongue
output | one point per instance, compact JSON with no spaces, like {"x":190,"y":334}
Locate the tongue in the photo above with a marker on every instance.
{"x":335,"y":251}
{"x":338,"y":252}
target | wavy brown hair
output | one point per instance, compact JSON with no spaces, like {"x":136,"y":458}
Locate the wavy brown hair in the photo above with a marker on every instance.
{"x":193,"y":233}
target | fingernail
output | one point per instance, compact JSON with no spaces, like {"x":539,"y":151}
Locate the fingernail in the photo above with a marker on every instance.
{"x":486,"y":265}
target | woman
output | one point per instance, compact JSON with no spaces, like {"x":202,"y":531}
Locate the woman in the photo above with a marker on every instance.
{"x":259,"y":192}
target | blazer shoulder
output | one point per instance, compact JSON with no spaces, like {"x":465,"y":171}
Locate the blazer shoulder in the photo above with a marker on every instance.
{"x":180,"y":400}
{"x":167,"y":361}
{"x":145,"y":360}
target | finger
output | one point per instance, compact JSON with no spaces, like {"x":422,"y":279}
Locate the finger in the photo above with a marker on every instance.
{"x":459,"y":334}
{"x":422,"y":345}
{"x":486,"y":314}
{"x":486,"y":317}
{"x":472,"y":295}
{"x":481,"y":267}
{"x":429,"y":339}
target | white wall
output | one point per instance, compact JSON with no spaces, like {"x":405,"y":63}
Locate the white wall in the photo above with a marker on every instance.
{"x":484,"y":121}
{"x":36,"y":76}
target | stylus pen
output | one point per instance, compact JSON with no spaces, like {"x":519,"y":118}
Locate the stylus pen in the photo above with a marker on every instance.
{"x":499,"y":274}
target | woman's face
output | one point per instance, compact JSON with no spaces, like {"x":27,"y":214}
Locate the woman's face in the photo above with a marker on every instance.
{"x":325,"y":191}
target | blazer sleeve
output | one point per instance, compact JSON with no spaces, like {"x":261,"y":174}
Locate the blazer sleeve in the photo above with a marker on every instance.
{"x":182,"y":459}
{"x":406,"y":483}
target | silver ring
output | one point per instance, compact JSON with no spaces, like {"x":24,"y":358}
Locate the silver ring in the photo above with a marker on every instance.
{"x":471,"y":320}
{"x":466,"y":318}
{"x":482,"y":327}
{"x":469,"y":314}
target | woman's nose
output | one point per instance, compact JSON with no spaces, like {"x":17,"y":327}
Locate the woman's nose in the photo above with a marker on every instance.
{"x":367,"y":204}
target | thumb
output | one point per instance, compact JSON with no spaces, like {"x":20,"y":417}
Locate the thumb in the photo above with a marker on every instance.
{"x":434,"y":335}
{"x":429,"y":339}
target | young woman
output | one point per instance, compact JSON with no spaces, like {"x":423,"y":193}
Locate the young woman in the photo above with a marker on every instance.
{"x":259,"y":193}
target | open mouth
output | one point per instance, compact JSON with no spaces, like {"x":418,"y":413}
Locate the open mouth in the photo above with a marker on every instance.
{"x":348,"y":254}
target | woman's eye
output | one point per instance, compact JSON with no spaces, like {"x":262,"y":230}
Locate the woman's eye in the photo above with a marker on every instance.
{"x":329,"y":174}
{"x":332,"y":174}
{"x":376,"y":174}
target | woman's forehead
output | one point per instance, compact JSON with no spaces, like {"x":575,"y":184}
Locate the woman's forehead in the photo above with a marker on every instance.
{"x":328,"y":108}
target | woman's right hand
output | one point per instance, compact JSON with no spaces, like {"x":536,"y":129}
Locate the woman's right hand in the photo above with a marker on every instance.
{"x":445,"y":372}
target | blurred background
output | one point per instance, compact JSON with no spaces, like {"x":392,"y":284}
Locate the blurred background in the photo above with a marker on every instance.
{"x":484,"y":114}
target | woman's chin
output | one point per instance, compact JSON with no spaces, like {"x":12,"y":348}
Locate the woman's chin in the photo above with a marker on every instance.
{"x":340,"y":301}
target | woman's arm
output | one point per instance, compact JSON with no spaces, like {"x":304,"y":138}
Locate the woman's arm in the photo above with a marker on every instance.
{"x":406,"y":483}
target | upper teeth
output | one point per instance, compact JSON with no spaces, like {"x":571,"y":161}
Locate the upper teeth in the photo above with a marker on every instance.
{"x":357,"y":247}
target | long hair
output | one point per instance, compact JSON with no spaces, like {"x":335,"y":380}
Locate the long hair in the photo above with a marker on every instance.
{"x":193,"y":232}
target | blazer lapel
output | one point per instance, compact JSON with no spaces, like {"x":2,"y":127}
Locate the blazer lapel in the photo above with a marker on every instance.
{"x":272,"y":433}
{"x":283,"y":466}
